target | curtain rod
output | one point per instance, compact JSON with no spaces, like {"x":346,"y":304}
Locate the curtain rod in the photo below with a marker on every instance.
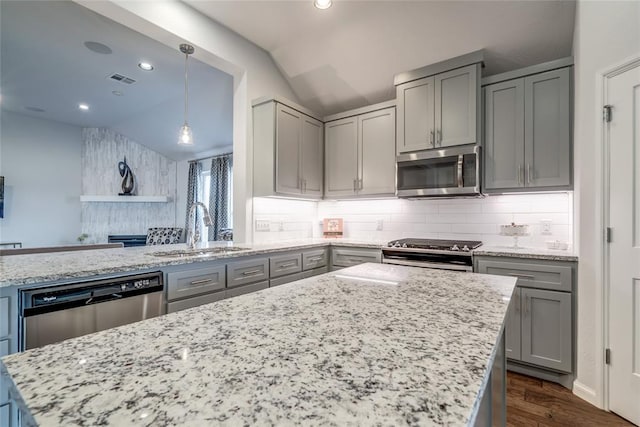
{"x":211,"y":157}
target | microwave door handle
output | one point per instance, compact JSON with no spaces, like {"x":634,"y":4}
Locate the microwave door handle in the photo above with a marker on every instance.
{"x":460,"y":163}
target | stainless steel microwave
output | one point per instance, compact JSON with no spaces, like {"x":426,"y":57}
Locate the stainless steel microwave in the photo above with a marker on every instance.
{"x":448,"y":172}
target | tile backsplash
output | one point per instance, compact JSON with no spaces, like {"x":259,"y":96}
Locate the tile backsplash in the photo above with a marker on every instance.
{"x":383,"y":220}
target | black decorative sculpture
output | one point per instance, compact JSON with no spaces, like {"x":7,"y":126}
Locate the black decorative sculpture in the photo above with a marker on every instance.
{"x":128,"y":183}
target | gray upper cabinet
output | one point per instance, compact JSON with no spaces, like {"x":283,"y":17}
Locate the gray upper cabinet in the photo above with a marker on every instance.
{"x":341,"y":148}
{"x":287,"y":151}
{"x":547,"y":130}
{"x":546,"y":328}
{"x":528,"y":133}
{"x":456,"y":106}
{"x":416,"y":119}
{"x":377,"y":148}
{"x":439,"y":111}
{"x":360,"y":155}
{"x":504,"y":127}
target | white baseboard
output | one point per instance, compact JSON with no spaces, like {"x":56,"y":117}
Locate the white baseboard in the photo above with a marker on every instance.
{"x":586,"y":393}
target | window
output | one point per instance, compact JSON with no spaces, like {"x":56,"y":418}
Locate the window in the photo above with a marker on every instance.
{"x":206,"y":191}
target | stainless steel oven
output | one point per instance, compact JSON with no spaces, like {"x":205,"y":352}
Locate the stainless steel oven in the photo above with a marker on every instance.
{"x":431,"y":253}
{"x":448,"y":172}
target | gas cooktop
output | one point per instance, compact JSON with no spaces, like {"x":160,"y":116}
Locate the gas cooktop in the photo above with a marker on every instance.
{"x":435,"y":244}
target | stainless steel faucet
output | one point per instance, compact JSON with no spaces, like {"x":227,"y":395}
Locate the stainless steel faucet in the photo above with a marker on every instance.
{"x":193,"y":235}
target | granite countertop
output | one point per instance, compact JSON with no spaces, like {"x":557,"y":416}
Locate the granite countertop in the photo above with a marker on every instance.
{"x":370,"y":344}
{"x":526,"y":253}
{"x":48,"y":267}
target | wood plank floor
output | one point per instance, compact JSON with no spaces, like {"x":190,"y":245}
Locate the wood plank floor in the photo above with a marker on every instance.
{"x":537,"y":403}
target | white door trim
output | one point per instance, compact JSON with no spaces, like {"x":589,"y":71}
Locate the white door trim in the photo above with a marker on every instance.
{"x":602,"y":269}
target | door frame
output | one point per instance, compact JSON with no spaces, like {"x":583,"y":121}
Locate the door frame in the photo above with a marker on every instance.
{"x":603,"y":268}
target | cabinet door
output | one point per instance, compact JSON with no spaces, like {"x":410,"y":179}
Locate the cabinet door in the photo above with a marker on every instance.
{"x":377,"y":148}
{"x":415,"y":101}
{"x":504,"y":135}
{"x":512,"y":327}
{"x":288,"y":137}
{"x":312,"y":156}
{"x":341,"y":149}
{"x":456,"y":106}
{"x":546,"y":328}
{"x":547,"y":133}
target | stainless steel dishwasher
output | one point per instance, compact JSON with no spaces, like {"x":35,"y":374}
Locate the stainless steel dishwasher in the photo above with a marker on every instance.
{"x":55,"y":313}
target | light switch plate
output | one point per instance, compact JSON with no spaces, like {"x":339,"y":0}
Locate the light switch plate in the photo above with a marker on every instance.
{"x":262,"y":225}
{"x":546,"y":227}
{"x":379,"y":225}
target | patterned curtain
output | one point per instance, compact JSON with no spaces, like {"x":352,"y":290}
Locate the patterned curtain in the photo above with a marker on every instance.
{"x":193,"y":187}
{"x":219,"y":195}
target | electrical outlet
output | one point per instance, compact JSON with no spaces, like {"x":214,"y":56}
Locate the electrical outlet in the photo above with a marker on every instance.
{"x":263,"y":225}
{"x":546,"y":227}
{"x":281,"y":226}
{"x":379,"y":225}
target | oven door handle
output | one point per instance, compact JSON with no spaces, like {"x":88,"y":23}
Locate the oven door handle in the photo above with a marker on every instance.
{"x":428,"y":265}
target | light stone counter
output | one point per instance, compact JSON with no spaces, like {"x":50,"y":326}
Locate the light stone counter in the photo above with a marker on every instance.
{"x":49,"y":267}
{"x":526,"y":253}
{"x":369,"y":345}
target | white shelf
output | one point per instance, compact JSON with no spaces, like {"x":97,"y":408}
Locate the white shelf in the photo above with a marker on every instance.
{"x":125,"y":199}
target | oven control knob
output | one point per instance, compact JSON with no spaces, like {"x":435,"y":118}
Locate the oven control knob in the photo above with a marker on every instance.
{"x":465,"y":248}
{"x":123,"y":287}
{"x":397,"y":245}
{"x":455,"y":248}
{"x":404,"y":245}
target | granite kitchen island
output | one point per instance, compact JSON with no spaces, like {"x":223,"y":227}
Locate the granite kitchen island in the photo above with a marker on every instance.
{"x":367,"y":345}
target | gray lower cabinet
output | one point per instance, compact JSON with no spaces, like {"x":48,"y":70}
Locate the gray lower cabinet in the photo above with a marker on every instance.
{"x":286,"y":279}
{"x":246,"y":289}
{"x":187,"y":283}
{"x":546,"y":329}
{"x":528,"y":133}
{"x":512,"y":327}
{"x":316,"y":258}
{"x":347,"y":257}
{"x":241,"y":273}
{"x":196,"y":301}
{"x":282,"y":265}
{"x":539,"y":327}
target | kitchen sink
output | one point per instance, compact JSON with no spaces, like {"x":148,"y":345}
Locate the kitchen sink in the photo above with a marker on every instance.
{"x":183,"y":253}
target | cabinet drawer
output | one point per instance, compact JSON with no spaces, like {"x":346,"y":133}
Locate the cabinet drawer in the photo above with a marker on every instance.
{"x":195,"y":302}
{"x":182,"y":284}
{"x":4,"y":317}
{"x":230,"y":293}
{"x":314,"y":259}
{"x":4,"y":392}
{"x":543,"y":276}
{"x":349,"y":257}
{"x":315,"y":272}
{"x":282,"y":265}
{"x":245,"y":272}
{"x":286,"y":279}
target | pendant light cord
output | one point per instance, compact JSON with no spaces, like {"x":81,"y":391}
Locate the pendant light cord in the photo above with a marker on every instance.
{"x":186,"y":87}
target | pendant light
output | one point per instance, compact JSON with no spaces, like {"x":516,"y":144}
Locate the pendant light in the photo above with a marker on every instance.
{"x":186,"y":136}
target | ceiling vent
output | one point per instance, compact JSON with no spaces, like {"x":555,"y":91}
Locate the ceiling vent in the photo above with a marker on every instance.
{"x":122,"y":79}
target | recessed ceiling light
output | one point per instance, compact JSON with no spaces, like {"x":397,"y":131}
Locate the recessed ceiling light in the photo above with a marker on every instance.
{"x":322,"y":4}
{"x":117,"y":93}
{"x":145,"y":66}
{"x":83,"y":106}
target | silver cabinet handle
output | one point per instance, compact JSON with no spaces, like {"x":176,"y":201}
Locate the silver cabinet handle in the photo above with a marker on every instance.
{"x":526,"y":304}
{"x":439,"y":137}
{"x":291,"y":264}
{"x":361,"y":184}
{"x":252,"y":273}
{"x":523,"y":276}
{"x":314,"y":259}
{"x":528,"y":174}
{"x":517,"y":307}
{"x":201,"y":281}
{"x":356,"y":260}
{"x":519,"y":174}
{"x":355,"y":185}
{"x":432,"y":141}
{"x":304,"y":185}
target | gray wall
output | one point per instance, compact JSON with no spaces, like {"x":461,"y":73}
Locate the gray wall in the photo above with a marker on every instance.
{"x":41,"y":163}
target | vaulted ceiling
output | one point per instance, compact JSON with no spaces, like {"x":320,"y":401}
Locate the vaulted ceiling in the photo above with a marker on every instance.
{"x":346,"y":56}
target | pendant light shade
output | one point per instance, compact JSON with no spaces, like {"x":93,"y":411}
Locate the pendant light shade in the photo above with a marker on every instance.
{"x":186,"y":135}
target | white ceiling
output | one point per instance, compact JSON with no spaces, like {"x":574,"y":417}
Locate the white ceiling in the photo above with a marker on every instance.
{"x":346,"y":56}
{"x":45,"y":65}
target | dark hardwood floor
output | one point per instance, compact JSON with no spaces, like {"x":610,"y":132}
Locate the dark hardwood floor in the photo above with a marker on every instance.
{"x":538,"y":403}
